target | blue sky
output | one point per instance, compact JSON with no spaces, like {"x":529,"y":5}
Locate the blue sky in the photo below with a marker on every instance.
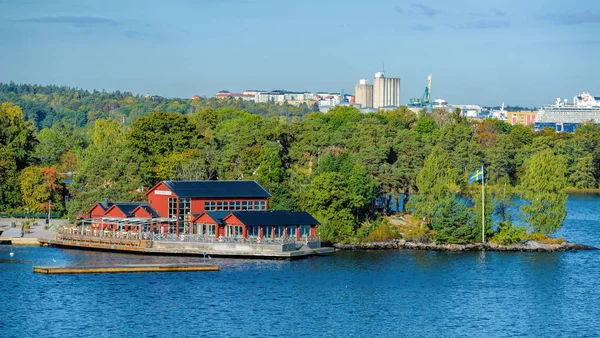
{"x":480,"y":52}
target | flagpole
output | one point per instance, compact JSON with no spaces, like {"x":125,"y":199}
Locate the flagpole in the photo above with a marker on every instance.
{"x":482,"y":206}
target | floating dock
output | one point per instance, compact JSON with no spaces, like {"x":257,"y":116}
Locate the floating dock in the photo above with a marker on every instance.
{"x":125,"y":268}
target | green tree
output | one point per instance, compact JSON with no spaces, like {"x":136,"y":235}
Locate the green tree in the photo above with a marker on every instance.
{"x":161,"y":133}
{"x":109,"y":168}
{"x":9,"y":180}
{"x":330,"y":201}
{"x":543,"y":189}
{"x":16,"y":135}
{"x":452,"y":222}
{"x":582,"y":176}
{"x":436,"y":182}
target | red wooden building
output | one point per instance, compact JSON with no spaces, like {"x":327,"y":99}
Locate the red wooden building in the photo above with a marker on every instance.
{"x":255,"y":225}
{"x":237,"y":209}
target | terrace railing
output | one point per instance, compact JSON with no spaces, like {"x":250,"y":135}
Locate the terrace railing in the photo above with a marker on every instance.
{"x":88,"y":234}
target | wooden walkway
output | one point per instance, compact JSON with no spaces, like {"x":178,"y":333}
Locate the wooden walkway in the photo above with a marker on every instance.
{"x":125,"y":268}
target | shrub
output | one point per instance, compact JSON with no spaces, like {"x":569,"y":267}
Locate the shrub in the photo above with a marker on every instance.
{"x":509,"y":234}
{"x":384,"y":232}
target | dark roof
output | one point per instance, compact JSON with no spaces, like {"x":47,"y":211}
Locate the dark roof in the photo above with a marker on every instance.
{"x":217,"y":189}
{"x":274,"y":217}
{"x":128,"y":207}
{"x":104,"y":207}
{"x":150,"y":210}
{"x":218,"y":215}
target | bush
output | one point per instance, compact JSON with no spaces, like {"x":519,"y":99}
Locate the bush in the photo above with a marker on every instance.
{"x":509,"y":234}
{"x":384,"y":232}
{"x":542,"y":238}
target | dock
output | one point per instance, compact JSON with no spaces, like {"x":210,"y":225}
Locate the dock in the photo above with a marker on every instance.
{"x":175,"y":248}
{"x":125,"y":268}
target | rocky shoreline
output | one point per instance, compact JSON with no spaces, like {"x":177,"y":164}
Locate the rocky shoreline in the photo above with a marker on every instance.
{"x":527,"y":246}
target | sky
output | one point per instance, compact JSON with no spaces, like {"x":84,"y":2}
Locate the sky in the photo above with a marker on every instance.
{"x":524,"y":53}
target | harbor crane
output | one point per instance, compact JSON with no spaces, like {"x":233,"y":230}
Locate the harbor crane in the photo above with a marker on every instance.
{"x":425,"y":100}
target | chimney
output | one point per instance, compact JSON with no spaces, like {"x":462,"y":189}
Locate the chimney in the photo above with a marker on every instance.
{"x":105,"y":203}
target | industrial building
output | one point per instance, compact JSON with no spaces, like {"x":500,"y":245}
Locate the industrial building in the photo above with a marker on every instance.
{"x":363,"y":93}
{"x":386,"y":91}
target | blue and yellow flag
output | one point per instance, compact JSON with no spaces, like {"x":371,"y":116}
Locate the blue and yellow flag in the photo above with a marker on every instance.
{"x":476,"y":176}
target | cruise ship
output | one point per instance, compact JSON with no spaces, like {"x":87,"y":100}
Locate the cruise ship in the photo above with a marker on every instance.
{"x":565,"y":117}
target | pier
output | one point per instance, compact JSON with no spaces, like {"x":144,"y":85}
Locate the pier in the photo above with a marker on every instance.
{"x":125,"y":268}
{"x":190,"y":246}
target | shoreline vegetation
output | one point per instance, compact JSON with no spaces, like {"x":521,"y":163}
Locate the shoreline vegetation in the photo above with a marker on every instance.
{"x":412,"y":236}
{"x":526,"y":246}
{"x":60,"y":144}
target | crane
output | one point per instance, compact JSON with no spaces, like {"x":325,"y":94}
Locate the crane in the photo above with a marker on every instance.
{"x":425,"y":99}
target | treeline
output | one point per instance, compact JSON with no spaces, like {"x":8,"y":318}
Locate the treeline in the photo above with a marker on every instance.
{"x":333,"y":165}
{"x":47,"y":105}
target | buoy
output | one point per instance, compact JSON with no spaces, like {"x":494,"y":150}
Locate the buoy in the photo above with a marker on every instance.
{"x":12,"y":254}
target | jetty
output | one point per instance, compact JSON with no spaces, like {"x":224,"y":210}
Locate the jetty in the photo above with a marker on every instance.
{"x":125,"y":268}
{"x":189,"y":246}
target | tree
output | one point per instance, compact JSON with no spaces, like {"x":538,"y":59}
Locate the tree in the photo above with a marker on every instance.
{"x":161,"y":133}
{"x":500,"y":160}
{"x":17,"y":135}
{"x":9,"y":180}
{"x":582,"y":176}
{"x":452,"y":222}
{"x":40,"y":185}
{"x":108,"y":168}
{"x":435,"y":182}
{"x":543,"y":189}
{"x":330,"y":201}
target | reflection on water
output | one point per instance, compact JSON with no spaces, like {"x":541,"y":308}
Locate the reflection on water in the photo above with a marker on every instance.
{"x":354,"y":294}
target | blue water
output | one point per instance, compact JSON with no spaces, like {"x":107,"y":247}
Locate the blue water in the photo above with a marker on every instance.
{"x":349,"y":294}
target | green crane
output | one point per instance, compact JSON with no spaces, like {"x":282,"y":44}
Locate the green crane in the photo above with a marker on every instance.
{"x":425,"y":99}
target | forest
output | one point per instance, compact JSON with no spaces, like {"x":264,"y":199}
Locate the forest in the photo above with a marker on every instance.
{"x":74,"y":147}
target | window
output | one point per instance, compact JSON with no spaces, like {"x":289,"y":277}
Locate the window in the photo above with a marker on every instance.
{"x":199,"y":229}
{"x":172,"y":211}
{"x":253,"y":231}
{"x":267,"y":231}
{"x":210,"y":229}
{"x":259,"y":205}
{"x":238,"y":231}
{"x":246,"y":205}
{"x":290,"y":231}
{"x":210,"y":206}
{"x":235,"y":205}
{"x":279,"y":231}
{"x":304,"y":231}
{"x":228,"y":230}
{"x":222,"y":205}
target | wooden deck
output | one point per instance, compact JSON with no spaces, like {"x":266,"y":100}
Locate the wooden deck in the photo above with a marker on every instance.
{"x":125,"y":268}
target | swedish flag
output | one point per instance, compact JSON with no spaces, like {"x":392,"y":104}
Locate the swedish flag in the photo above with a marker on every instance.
{"x":476,"y":176}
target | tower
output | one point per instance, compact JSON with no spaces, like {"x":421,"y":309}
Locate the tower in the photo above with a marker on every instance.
{"x":363,"y":92}
{"x":386,"y":91}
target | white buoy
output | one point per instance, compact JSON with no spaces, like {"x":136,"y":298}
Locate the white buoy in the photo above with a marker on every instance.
{"x":12,"y":254}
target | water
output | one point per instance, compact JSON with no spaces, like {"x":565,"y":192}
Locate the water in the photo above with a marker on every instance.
{"x":351,"y":294}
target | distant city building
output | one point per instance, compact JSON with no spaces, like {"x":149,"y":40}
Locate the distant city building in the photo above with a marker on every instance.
{"x":386,"y":91}
{"x":468,"y":110}
{"x":525,"y":118}
{"x":195,"y":97}
{"x":363,"y":92}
